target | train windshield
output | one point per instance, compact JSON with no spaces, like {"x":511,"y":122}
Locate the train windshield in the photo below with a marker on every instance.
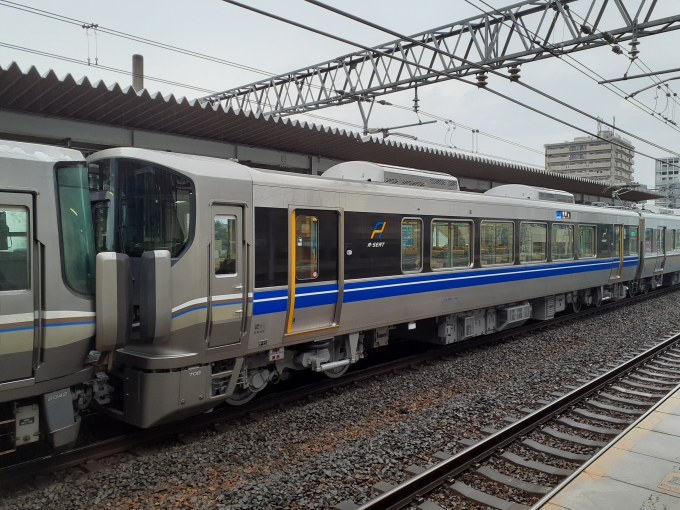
{"x":140,"y":207}
{"x":75,"y":225}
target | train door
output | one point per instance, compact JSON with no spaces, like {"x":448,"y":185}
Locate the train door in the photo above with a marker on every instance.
{"x":660,"y":249}
{"x":17,"y":296}
{"x":315,"y":276}
{"x":617,"y":252}
{"x":227,"y":296}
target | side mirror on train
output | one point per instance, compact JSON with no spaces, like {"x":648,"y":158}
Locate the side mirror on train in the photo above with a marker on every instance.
{"x":113,"y":301}
{"x":155,"y":296}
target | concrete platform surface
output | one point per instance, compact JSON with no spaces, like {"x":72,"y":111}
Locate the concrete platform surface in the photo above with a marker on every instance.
{"x":640,"y":470}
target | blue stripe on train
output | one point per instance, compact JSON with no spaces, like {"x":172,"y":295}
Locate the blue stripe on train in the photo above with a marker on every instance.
{"x":277,"y":300}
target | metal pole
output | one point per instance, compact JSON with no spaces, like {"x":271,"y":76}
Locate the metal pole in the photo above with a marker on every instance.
{"x":137,"y":72}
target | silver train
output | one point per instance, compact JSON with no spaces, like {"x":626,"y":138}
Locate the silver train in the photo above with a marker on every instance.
{"x":157,"y":286}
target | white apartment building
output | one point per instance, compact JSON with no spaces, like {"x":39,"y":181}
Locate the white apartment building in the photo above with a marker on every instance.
{"x":593,"y":158}
{"x":667,"y":181}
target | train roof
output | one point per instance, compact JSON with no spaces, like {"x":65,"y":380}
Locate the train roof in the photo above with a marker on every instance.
{"x":38,"y":152}
{"x":202,"y":166}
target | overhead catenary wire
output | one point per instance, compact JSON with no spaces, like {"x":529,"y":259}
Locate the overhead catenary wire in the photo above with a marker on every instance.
{"x":468,"y":62}
{"x":161,"y":45}
{"x":622,"y":93}
{"x":429,"y":69}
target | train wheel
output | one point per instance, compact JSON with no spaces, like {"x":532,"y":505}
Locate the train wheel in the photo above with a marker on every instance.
{"x":241,"y":396}
{"x":576,"y":306}
{"x":338,"y":372}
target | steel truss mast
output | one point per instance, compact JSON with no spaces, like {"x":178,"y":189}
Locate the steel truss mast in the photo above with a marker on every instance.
{"x":506,"y":37}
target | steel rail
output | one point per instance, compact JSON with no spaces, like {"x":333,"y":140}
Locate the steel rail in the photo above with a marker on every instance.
{"x":439,"y":474}
{"x":21,"y":472}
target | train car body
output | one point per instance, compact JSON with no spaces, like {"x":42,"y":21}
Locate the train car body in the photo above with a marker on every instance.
{"x":213,"y":279}
{"x":47,"y":316}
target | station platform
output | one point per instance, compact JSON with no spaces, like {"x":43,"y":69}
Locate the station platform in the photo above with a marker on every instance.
{"x":640,"y":470}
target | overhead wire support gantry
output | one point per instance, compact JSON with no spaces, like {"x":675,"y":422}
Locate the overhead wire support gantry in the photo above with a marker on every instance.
{"x":497,"y":40}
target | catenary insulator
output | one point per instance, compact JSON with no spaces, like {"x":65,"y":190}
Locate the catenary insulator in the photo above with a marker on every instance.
{"x":617,"y":50}
{"x":481,"y":80}
{"x":514,"y":73}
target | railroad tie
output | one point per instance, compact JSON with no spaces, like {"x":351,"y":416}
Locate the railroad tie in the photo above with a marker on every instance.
{"x":526,"y":410}
{"x":634,"y":384}
{"x":467,"y":442}
{"x":574,"y":439}
{"x":638,"y":393}
{"x":488,"y":431}
{"x":668,"y":384}
{"x":654,"y":366}
{"x":536,"y":466}
{"x":600,"y":417}
{"x":495,"y":476}
{"x":555,"y":452}
{"x":590,"y":428}
{"x":628,"y":401}
{"x":483,"y":498}
{"x":661,"y":361}
{"x":656,"y":374}
{"x":622,"y":410}
{"x":510,"y":419}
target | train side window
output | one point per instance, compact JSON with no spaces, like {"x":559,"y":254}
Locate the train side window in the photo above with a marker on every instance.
{"x":225,"y":245}
{"x":411,"y":245}
{"x":450,"y":244}
{"x":649,"y":237}
{"x":587,"y":241}
{"x":533,"y":241}
{"x":562,"y":242}
{"x":633,"y":241}
{"x":497,"y":243}
{"x":14,"y":271}
{"x":306,"y":247}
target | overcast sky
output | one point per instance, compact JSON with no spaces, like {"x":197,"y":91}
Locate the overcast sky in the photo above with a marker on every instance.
{"x":222,"y":30}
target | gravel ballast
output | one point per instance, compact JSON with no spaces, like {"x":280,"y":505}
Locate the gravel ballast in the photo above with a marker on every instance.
{"x":319,"y":452}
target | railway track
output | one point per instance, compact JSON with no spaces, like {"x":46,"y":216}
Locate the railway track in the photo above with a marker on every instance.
{"x":498,"y":470}
{"x":25,"y":471}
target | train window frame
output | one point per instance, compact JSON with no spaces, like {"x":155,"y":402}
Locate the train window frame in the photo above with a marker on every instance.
{"x":314,"y":269}
{"x":580,"y":245}
{"x":401,"y":245}
{"x":471,"y":225}
{"x":234,"y":219}
{"x":511,"y":244}
{"x":27,"y":235}
{"x":545,"y":251}
{"x":651,"y":250}
{"x":566,"y":226}
{"x":637,"y":239}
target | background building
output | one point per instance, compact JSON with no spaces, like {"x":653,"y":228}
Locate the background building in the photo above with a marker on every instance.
{"x":667,"y":181}
{"x":593,"y":158}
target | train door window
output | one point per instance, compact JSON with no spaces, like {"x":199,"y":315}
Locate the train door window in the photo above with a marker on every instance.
{"x":587,"y":241}
{"x":533,"y":241}
{"x":450,"y":244}
{"x":649,"y":237}
{"x":616,"y":243}
{"x":225,"y":245}
{"x":660,"y":240}
{"x":14,"y":272}
{"x":633,"y":241}
{"x":677,"y":240}
{"x":411,"y":245}
{"x":562,"y":242}
{"x":306,"y":247}
{"x":497,"y":243}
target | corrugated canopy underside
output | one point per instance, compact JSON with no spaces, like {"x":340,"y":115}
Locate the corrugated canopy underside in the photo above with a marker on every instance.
{"x":82,"y":100}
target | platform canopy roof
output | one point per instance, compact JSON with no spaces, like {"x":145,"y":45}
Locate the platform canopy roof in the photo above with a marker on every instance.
{"x":48,"y":95}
